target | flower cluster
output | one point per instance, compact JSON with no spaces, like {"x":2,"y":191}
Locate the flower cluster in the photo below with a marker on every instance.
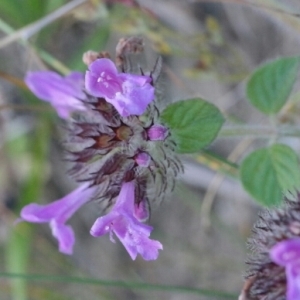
{"x":274,"y":266}
{"x":121,"y":154}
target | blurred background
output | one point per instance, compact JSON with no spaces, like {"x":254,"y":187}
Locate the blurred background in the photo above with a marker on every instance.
{"x":208,"y":49}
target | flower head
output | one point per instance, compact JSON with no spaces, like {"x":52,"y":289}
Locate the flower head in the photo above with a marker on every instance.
{"x":122,"y":222}
{"x":129,"y":94}
{"x":57,"y":213}
{"x":126,"y":168}
{"x":274,"y":266}
{"x":64,"y":93}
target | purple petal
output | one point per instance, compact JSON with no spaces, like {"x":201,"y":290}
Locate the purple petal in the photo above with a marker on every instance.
{"x":61,"y":209}
{"x":62,"y":93}
{"x":141,"y":211}
{"x":37,"y":213}
{"x":121,"y":221}
{"x":149,"y":249}
{"x":76,"y":79}
{"x":140,"y":99}
{"x":129,"y":94}
{"x":119,"y":104}
{"x":286,"y":252}
{"x":124,"y":205}
{"x":65,"y":236}
{"x":293,"y":281}
{"x":143,"y":159}
{"x":125,"y":201}
{"x":57,"y":213}
{"x":157,"y":133}
{"x":103,"y":65}
{"x":134,"y":237}
{"x":138,"y":80}
{"x":103,"y":224}
{"x":134,"y":99}
{"x":45,"y":84}
{"x":102,"y":79}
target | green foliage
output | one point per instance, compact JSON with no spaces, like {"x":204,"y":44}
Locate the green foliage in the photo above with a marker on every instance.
{"x":270,"y":86}
{"x":19,"y":242}
{"x":27,"y":10}
{"x":32,"y":187}
{"x":17,"y":258}
{"x":193,"y":123}
{"x":269,"y":173}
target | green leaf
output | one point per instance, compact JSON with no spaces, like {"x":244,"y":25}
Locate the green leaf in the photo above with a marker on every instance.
{"x":21,"y":12}
{"x":270,"y":86}
{"x":269,"y":173}
{"x":193,"y":123}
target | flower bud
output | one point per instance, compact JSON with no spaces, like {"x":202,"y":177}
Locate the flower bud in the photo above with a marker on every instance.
{"x":157,"y":133}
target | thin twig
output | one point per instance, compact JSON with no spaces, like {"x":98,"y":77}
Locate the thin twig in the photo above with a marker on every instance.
{"x":14,"y":80}
{"x":24,"y":107}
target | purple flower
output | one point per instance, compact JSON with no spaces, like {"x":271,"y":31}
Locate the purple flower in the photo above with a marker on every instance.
{"x":63,"y":93}
{"x":143,"y":159}
{"x":129,"y":94}
{"x":121,"y":221}
{"x":141,"y":211}
{"x":287,"y":254}
{"x":57,"y":213}
{"x":157,"y":133}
